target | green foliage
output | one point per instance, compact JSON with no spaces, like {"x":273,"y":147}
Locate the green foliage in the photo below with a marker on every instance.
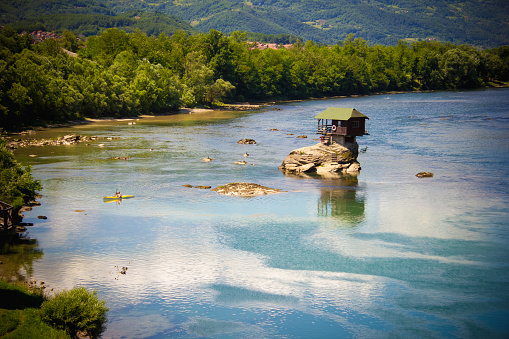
{"x":121,"y":74}
{"x":19,"y":297}
{"x":327,"y":21}
{"x":93,"y":24}
{"x":18,"y":186}
{"x":28,"y":325}
{"x":19,"y":317}
{"x":324,"y":21}
{"x":9,"y":321}
{"x":76,"y":310}
{"x":69,"y":41}
{"x":218,"y":91}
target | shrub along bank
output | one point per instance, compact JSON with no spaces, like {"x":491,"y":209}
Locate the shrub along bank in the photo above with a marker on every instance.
{"x":27,"y":313}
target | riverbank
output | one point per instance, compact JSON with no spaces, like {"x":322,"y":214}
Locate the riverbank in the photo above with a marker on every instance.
{"x":243,"y":106}
{"x":185,"y":110}
{"x":19,"y":313}
{"x":27,"y":311}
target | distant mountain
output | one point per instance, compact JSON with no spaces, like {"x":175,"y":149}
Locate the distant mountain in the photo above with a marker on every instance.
{"x":480,"y":23}
{"x":87,"y":17}
{"x":15,"y":10}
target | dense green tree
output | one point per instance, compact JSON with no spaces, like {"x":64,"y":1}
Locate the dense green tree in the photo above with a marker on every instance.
{"x":124,"y":64}
{"x":69,"y":41}
{"x":105,"y":47}
{"x":219,"y":55}
{"x":126,"y":74}
{"x":197,"y":79}
{"x":459,"y":68}
{"x":18,"y":187}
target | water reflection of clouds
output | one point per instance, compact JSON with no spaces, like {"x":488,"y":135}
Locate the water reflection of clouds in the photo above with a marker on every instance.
{"x":207,"y":327}
{"x":258,"y":265}
{"x":183,"y":278}
{"x":192,"y":272}
{"x":387,"y":246}
{"x":132,"y":325}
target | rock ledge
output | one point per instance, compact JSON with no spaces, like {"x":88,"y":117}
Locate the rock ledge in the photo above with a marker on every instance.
{"x":245,"y":189}
{"x":323,"y":159}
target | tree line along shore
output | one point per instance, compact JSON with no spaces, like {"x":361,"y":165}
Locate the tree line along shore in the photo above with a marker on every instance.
{"x":119,"y":74}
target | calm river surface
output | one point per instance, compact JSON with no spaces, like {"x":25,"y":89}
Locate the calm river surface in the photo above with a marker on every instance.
{"x":384,"y":255}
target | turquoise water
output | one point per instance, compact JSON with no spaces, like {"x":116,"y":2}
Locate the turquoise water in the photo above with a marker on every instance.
{"x":385,"y":254}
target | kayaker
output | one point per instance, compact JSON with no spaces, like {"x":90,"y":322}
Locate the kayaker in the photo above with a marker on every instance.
{"x":117,"y":194}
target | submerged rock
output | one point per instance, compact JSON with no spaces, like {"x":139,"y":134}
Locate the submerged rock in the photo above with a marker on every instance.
{"x":245,"y":189}
{"x":323,"y":159}
{"x":70,"y":139}
{"x":246,"y":141}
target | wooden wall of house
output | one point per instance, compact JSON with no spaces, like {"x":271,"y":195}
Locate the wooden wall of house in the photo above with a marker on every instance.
{"x":350,"y":123}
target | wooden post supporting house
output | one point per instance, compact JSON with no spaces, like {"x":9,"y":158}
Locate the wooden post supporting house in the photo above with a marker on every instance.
{"x":341,"y":125}
{"x":5,"y":216}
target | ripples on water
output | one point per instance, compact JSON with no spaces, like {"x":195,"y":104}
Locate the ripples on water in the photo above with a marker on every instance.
{"x":384,"y":254}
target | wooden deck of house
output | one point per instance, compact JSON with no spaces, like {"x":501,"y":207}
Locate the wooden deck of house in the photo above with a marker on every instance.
{"x":6,"y":221}
{"x":331,"y":129}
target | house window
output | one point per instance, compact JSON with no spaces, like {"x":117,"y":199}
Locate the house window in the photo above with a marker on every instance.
{"x":355,"y":124}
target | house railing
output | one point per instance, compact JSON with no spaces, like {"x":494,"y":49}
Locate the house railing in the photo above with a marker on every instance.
{"x":331,"y":129}
{"x":5,"y":215}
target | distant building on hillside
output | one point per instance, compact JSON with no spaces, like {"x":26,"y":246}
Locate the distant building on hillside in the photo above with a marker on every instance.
{"x":262,"y":46}
{"x":40,"y":36}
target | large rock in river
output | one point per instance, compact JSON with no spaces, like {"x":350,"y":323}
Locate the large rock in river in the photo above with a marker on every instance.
{"x":245,"y":189}
{"x":323,"y":159}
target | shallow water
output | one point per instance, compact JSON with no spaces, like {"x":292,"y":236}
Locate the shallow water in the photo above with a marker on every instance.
{"x":385,"y":254}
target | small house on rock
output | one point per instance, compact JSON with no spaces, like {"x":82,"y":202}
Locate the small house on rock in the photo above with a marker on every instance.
{"x":341,"y":125}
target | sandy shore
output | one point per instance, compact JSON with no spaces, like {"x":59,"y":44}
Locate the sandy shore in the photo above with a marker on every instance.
{"x":184,"y":110}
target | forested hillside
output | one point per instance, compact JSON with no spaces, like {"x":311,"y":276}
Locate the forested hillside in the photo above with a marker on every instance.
{"x":122,"y":74}
{"x":479,"y":23}
{"x":85,"y":18}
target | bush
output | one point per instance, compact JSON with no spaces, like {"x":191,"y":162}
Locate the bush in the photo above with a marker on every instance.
{"x":76,"y":310}
{"x":20,"y":315}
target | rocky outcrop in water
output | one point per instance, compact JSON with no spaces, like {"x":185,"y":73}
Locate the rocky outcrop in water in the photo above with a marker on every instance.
{"x":245,"y":189}
{"x":247,"y":141}
{"x":70,"y":139}
{"x":323,"y":159}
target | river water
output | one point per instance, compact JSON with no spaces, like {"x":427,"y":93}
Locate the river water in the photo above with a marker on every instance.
{"x":385,"y":254}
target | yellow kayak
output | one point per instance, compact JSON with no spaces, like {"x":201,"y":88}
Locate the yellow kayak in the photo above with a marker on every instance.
{"x":118,"y":198}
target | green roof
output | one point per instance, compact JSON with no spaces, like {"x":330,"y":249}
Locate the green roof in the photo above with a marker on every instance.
{"x":340,"y":113}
